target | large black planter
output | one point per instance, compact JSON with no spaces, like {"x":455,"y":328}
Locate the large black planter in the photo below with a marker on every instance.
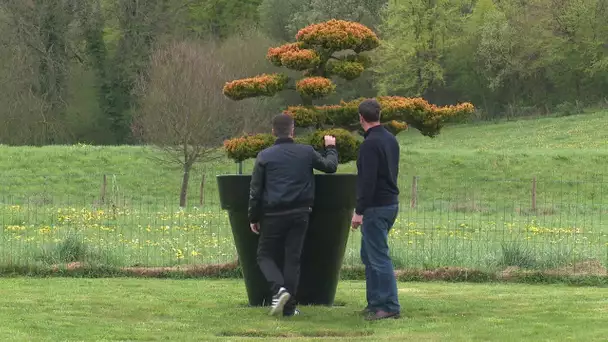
{"x":325,"y":243}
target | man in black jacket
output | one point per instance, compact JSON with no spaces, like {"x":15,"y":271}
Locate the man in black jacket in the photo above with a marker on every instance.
{"x":280,"y":201}
{"x":376,"y":211}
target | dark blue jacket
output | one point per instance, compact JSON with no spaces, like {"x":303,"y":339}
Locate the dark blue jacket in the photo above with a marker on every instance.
{"x":378,"y":168}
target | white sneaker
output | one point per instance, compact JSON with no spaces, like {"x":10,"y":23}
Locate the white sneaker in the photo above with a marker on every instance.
{"x":278,"y":301}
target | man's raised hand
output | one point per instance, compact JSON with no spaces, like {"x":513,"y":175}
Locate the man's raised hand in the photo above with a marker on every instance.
{"x":330,"y":140}
{"x":255,"y":228}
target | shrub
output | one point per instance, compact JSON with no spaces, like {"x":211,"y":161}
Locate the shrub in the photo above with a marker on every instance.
{"x":396,"y":127}
{"x":313,"y":55}
{"x":346,"y":69}
{"x":275,"y":54}
{"x":292,"y":56}
{"x":243,"y":148}
{"x":346,"y":144}
{"x":315,"y":87}
{"x":338,"y":35}
{"x":262,"y":85}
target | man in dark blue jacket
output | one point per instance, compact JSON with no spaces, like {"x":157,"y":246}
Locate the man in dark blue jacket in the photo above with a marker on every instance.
{"x":376,"y":211}
{"x":280,"y":202}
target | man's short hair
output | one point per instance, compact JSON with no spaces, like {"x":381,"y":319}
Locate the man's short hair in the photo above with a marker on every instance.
{"x":282,"y":125}
{"x":370,"y":110}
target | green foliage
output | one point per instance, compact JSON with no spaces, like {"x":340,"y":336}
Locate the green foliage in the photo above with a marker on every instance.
{"x":502,"y":56}
{"x":346,"y":69}
{"x":346,"y":143}
{"x":283,"y":19}
{"x":508,"y":57}
{"x":417,"y":34}
{"x":516,"y":254}
{"x":73,"y":248}
{"x":221,"y":18}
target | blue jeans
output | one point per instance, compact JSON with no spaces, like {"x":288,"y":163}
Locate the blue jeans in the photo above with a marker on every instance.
{"x":381,"y":284}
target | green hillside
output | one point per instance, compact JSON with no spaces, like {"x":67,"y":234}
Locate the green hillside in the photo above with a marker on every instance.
{"x":463,"y":158}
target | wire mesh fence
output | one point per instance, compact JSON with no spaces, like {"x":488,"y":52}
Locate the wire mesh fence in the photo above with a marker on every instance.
{"x":124,"y":221}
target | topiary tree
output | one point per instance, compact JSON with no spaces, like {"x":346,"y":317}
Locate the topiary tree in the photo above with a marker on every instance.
{"x":321,"y":51}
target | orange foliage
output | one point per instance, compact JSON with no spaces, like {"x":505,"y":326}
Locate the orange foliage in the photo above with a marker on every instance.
{"x":247,"y":147}
{"x":337,"y":35}
{"x":313,"y":54}
{"x":262,"y":85}
{"x":397,"y":112}
{"x":315,"y":87}
{"x":274,"y":54}
{"x":292,"y":56}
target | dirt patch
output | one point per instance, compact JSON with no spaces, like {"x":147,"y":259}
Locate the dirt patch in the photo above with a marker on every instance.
{"x":583,"y":268}
{"x":580,"y":269}
{"x":189,"y":270}
{"x":192,"y":270}
{"x":579,"y":272}
{"x":70,"y":267}
{"x":444,"y":274}
{"x":510,"y":273}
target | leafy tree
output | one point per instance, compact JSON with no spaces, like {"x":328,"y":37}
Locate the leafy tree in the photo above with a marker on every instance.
{"x":221,"y":18}
{"x":418,"y":33}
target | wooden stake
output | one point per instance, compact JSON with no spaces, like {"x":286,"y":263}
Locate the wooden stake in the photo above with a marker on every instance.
{"x":202,"y":192}
{"x":104,"y":185}
{"x":414,"y":192}
{"x":534,"y":193}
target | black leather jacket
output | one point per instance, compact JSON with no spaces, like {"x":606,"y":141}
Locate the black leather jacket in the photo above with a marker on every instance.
{"x":283,"y":179}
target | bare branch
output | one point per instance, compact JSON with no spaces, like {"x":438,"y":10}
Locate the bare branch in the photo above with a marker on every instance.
{"x":182,"y":108}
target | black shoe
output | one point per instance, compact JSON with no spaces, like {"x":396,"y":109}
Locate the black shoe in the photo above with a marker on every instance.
{"x":295,"y":313}
{"x":278,"y":301}
{"x":366,"y":312}
{"x":383,"y":315}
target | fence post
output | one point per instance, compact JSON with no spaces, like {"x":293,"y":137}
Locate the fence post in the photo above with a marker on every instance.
{"x":202,"y":192}
{"x":104,"y":185}
{"x":534,"y":193}
{"x":414,"y":192}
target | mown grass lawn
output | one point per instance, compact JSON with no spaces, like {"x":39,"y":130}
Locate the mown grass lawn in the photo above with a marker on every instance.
{"x":185,"y":310}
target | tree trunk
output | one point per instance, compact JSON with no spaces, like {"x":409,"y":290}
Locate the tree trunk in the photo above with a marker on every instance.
{"x":183,"y":195}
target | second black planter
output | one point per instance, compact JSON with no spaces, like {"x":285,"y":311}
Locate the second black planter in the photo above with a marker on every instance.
{"x":335,"y":199}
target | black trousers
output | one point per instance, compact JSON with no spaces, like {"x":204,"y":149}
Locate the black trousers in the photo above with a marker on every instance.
{"x":279,"y":250}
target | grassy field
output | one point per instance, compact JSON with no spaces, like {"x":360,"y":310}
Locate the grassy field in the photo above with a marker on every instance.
{"x":189,"y":310}
{"x":474,"y":201}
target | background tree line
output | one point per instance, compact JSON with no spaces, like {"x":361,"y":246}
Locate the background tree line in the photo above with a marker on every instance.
{"x":83,"y":71}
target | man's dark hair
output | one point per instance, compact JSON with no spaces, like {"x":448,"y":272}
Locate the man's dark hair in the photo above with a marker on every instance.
{"x":370,"y":110}
{"x":282,"y":125}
